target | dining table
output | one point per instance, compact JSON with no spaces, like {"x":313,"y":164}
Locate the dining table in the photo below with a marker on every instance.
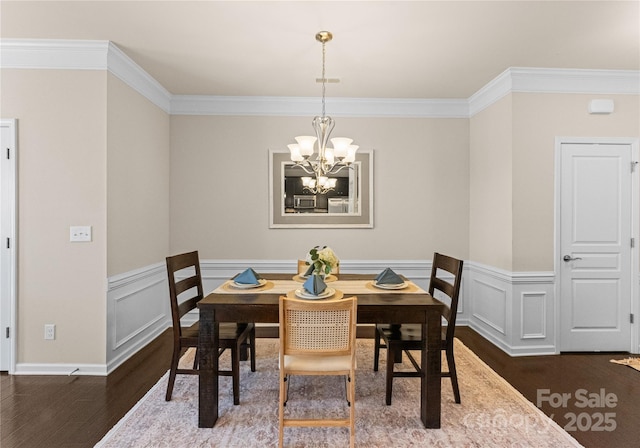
{"x":260,"y":304}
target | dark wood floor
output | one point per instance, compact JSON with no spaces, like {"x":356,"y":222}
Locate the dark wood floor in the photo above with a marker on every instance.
{"x":583,"y":376}
{"x":77,"y":411}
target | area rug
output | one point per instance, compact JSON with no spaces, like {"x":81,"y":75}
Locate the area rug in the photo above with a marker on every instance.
{"x":492,"y":413}
{"x":634,"y":363}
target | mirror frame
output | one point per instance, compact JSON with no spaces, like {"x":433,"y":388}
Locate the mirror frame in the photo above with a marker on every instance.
{"x":278,"y":219}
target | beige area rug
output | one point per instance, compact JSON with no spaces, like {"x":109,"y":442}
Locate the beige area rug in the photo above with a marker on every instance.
{"x":492,"y":413}
{"x":634,"y":363}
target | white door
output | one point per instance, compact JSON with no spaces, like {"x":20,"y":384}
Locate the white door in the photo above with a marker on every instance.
{"x":7,"y":243}
{"x":8,"y":156}
{"x":595,"y":247}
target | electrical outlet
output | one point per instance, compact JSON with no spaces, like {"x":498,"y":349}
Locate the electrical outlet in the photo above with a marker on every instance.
{"x":49,"y":331}
{"x":80,"y":233}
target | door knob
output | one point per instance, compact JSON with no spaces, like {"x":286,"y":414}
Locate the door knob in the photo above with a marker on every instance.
{"x":570,"y":258}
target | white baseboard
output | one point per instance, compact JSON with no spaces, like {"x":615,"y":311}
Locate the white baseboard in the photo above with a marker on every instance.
{"x":60,"y":369}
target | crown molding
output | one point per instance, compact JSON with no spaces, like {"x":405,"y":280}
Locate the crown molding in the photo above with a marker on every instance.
{"x":82,"y":55}
{"x":309,"y":106}
{"x":54,"y":54}
{"x":124,"y":68}
{"x":543,"y":80}
{"x":587,"y":81}
{"x":105,"y":55}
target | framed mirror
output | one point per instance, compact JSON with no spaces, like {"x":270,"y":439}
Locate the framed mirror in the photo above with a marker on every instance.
{"x":348,"y":204}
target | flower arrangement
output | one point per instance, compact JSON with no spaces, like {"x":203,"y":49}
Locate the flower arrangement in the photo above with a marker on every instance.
{"x":323,"y":259}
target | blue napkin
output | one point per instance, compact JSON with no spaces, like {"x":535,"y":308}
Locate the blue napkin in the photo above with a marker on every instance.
{"x":309,"y":270}
{"x":388,"y":277}
{"x":248,"y":277}
{"x":315,"y":285}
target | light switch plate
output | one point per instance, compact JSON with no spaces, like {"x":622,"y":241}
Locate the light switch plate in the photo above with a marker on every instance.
{"x":79,"y":234}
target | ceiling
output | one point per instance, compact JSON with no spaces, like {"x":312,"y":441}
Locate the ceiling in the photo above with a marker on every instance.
{"x":380,"y":49}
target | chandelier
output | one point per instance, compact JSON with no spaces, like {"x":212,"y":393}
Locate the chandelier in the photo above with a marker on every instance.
{"x":328,"y":160}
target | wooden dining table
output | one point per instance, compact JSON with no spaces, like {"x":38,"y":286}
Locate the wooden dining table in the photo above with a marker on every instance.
{"x":412,"y":305}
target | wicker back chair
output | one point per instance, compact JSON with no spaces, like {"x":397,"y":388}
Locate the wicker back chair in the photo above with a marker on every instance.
{"x":317,"y":338}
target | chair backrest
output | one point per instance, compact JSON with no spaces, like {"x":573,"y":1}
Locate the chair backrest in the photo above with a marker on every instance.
{"x":318,"y":328}
{"x":184,"y":292}
{"x":452,"y":290}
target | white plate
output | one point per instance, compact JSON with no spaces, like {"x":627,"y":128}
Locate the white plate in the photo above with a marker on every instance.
{"x":303,"y":294}
{"x":394,"y":286}
{"x":261,"y":282}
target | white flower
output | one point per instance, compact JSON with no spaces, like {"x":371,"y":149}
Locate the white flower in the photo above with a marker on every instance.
{"x":323,"y":259}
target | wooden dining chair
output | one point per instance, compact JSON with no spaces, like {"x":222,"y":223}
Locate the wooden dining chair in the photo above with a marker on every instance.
{"x":398,"y":339}
{"x":185,"y":291}
{"x":317,"y":338}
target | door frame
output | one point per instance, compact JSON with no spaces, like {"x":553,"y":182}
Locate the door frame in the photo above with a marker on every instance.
{"x":10,"y":211}
{"x":634,"y":342}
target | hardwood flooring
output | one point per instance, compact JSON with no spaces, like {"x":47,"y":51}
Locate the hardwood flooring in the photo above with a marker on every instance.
{"x":584,"y":378}
{"x":77,"y":411}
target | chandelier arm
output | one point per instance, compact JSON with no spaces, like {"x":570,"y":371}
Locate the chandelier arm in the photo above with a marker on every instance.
{"x":304,"y":167}
{"x":340,"y":166}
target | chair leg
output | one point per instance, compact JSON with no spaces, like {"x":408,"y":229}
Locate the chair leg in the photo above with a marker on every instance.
{"x":352,"y":410}
{"x":196,"y":360}
{"x":252,"y":340}
{"x":347,"y":389}
{"x":245,"y":345}
{"x":287,"y":383}
{"x":172,"y":373}
{"x":390,"y":361}
{"x":235,"y":373}
{"x":452,"y":372}
{"x":281,"y":404}
{"x":376,"y":353}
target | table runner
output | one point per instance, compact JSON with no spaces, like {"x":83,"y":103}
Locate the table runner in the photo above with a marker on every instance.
{"x":348,"y":287}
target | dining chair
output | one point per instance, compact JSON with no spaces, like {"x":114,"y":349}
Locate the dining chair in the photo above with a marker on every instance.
{"x":185,"y":291}
{"x":403,"y":338}
{"x":303,"y":266}
{"x":317,"y":338}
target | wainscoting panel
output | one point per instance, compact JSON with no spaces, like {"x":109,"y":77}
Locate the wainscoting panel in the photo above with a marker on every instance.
{"x":489,"y":305}
{"x":515,"y":311}
{"x":512,"y":310}
{"x":533,"y":316}
{"x":138,"y":301}
{"x":137,"y":311}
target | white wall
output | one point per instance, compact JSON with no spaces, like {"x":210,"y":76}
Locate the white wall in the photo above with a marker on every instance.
{"x":137,"y":307}
{"x":511,"y":283}
{"x":490,"y":186}
{"x":219,"y":193}
{"x":95,"y":152}
{"x":61,"y":182}
{"x":537,"y":120}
